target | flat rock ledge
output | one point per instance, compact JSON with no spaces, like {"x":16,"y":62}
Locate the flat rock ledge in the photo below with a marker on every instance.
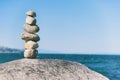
{"x":47,"y":69}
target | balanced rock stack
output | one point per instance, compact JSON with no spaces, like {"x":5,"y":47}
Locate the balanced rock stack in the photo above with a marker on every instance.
{"x":29,"y":36}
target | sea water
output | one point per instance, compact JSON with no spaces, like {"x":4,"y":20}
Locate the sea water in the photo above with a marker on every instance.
{"x":108,"y":65}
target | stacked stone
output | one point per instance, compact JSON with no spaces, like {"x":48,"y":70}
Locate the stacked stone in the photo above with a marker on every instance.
{"x":29,"y":36}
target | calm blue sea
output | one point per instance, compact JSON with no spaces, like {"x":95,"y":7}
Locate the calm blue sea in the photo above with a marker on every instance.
{"x":108,"y":65}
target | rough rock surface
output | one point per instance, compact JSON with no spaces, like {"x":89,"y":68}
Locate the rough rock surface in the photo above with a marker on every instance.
{"x":36,"y":69}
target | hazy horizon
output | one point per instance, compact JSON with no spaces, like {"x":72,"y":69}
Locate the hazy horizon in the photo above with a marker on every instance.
{"x":69,"y":26}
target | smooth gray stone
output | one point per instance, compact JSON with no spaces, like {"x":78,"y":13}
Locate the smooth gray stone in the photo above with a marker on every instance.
{"x":29,"y":36}
{"x":45,"y":69}
{"x":31,"y":45}
{"x":31,"y":13}
{"x":31,"y":28}
{"x":30,"y":20}
{"x":30,"y":53}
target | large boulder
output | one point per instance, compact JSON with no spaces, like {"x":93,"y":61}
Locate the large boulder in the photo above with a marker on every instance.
{"x":36,"y":69}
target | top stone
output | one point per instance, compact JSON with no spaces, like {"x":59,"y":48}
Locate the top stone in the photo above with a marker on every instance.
{"x":31,"y":13}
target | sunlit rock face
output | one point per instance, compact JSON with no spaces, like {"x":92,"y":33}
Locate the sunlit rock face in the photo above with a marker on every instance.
{"x":36,"y":69}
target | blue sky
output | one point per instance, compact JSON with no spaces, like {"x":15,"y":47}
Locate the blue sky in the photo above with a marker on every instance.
{"x":72,"y":26}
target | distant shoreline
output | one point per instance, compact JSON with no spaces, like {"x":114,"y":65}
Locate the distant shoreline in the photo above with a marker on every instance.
{"x":59,"y":53}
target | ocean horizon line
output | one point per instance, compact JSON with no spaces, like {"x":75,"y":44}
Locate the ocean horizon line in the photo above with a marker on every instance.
{"x":69,"y":53}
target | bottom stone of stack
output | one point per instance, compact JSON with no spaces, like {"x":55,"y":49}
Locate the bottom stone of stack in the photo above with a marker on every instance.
{"x":30,"y":53}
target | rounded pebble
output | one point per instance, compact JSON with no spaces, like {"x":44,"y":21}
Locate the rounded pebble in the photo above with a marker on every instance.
{"x":30,"y":53}
{"x":31,"y":13}
{"x":31,"y":28}
{"x":31,"y":45}
{"x":30,"y":20}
